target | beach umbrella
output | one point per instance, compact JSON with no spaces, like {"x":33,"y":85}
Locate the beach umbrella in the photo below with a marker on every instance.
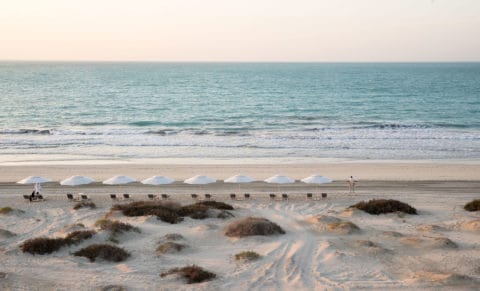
{"x":280,"y":179}
{"x":33,"y":180}
{"x":317,"y":179}
{"x":158,"y":180}
{"x":36,"y":180}
{"x":77,"y":180}
{"x":200,"y":180}
{"x":239,"y":179}
{"x":119,"y":180}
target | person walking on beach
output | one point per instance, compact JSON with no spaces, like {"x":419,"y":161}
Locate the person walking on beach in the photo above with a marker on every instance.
{"x":351,"y":184}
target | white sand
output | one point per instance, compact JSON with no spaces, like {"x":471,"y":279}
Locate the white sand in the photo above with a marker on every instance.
{"x":390,"y":251}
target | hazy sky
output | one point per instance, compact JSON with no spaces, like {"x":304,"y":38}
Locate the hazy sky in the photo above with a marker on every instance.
{"x":240,"y":30}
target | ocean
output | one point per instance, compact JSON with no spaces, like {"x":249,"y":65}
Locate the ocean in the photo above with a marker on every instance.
{"x":239,"y":112}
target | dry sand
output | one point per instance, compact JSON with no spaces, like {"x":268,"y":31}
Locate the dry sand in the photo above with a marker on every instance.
{"x":439,"y":249}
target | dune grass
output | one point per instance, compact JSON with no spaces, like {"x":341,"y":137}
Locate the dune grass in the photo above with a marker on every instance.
{"x":381,"y":206}
{"x":6,"y":210}
{"x":103,"y":251}
{"x":169,"y":247}
{"x":193,"y":274}
{"x":247,"y":256}
{"x":84,"y":204}
{"x":44,"y":245}
{"x":173,"y":212}
{"x":473,"y":205}
{"x":252,"y":226}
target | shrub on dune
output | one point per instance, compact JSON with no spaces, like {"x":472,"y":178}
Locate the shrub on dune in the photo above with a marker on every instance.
{"x":252,"y":226}
{"x":170,"y":247}
{"x":247,"y":256}
{"x":165,"y":211}
{"x":84,"y":204}
{"x":79,"y":235}
{"x":381,"y":206}
{"x":215,"y":204}
{"x":473,"y":205}
{"x":103,"y":251}
{"x":44,"y":245}
{"x":193,"y":274}
{"x":5,"y":210}
{"x":115,"y":227}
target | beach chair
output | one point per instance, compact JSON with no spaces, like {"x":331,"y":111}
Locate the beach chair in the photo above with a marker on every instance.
{"x":208,"y":196}
{"x":165,"y":196}
{"x":84,"y":197}
{"x":324,"y":195}
{"x":233,"y":196}
{"x":71,"y":198}
{"x":246,"y":195}
{"x":309,"y":196}
{"x":39,"y":197}
{"x":194,"y":196}
{"x":285,"y":196}
{"x":151,"y":196}
{"x":113,"y":197}
{"x":26,"y":197}
{"x":126,"y":196}
{"x":272,"y":196}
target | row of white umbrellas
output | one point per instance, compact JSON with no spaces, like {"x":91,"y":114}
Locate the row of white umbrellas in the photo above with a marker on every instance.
{"x":161,"y":180}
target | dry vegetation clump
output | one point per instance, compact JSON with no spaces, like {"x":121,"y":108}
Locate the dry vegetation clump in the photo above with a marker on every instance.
{"x":5,"y":210}
{"x":215,"y":204}
{"x":344,"y":227}
{"x":380,"y":206}
{"x":252,"y":226}
{"x":84,"y":204}
{"x":79,"y":235}
{"x":247,"y":256}
{"x":473,"y":205}
{"x":169,"y":247}
{"x":172,"y":212}
{"x":173,"y":236}
{"x":115,"y":228}
{"x":113,"y":288}
{"x":193,"y":274}
{"x":165,"y":211}
{"x":44,"y":245}
{"x":103,"y":251}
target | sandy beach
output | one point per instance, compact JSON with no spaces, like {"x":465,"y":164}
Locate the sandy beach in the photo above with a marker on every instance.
{"x":437,"y":249}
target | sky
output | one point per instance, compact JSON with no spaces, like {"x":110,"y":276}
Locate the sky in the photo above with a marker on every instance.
{"x":241,"y":30}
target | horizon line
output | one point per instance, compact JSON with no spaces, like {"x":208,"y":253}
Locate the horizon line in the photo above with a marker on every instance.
{"x":226,"y":61}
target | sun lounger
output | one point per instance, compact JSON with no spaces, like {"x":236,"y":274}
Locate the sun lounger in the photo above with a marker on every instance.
{"x":113,"y":197}
{"x":84,"y":197}
{"x":151,"y":196}
{"x":324,"y":195}
{"x":194,"y":196}
{"x":26,"y":197}
{"x":126,"y":197}
{"x":246,"y":195}
{"x":233,"y":196}
{"x":165,"y":196}
{"x":208,"y":196}
{"x":309,"y":196}
{"x":285,"y":196}
{"x":72,"y":198}
{"x":272,"y":196}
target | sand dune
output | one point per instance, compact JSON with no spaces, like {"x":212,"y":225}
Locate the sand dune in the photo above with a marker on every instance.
{"x":437,"y":248}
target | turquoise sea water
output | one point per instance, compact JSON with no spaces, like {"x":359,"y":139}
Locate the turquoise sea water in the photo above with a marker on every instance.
{"x":113,"y":111}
